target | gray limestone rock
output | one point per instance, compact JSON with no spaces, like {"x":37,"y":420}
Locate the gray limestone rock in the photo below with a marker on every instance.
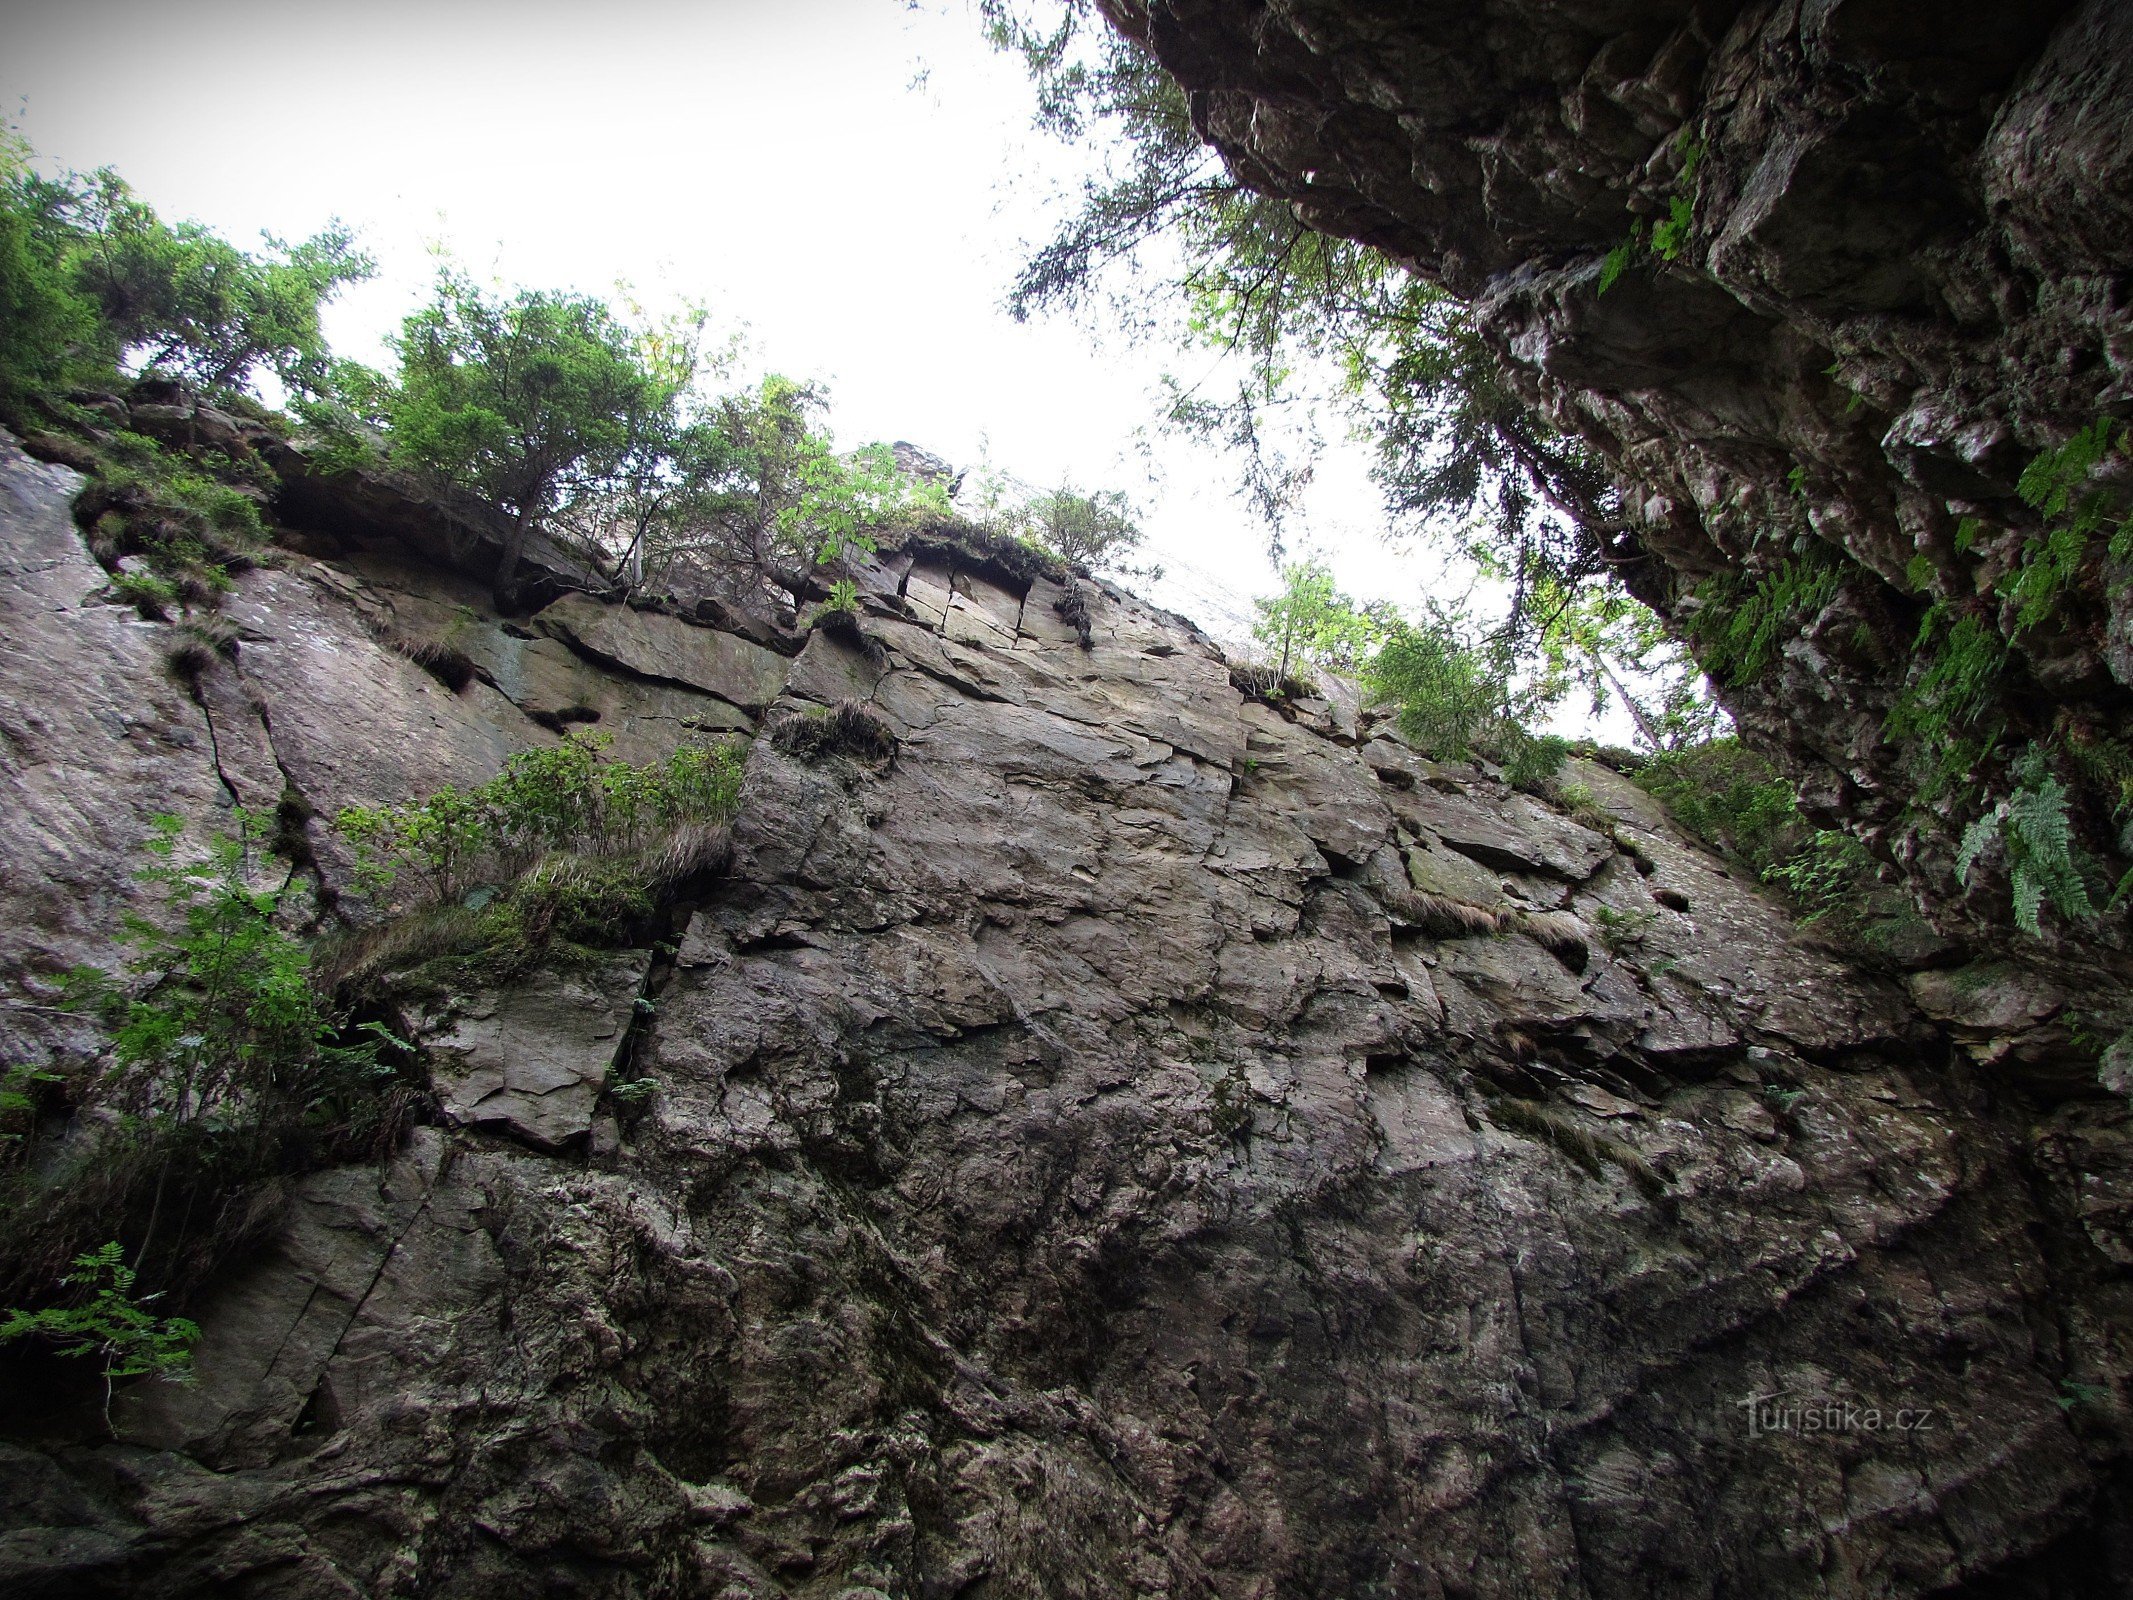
{"x":1074,"y":1166}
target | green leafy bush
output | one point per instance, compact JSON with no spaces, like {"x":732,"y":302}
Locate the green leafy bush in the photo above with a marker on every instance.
{"x":561,"y":798}
{"x":1454,"y":700}
{"x":91,"y":277}
{"x":18,"y":1098}
{"x":219,"y":1022}
{"x":1311,"y":620}
{"x":225,"y":1066}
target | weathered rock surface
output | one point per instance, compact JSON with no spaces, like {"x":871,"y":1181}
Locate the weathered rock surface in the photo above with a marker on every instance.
{"x":1905,"y":278}
{"x":1082,"y":1163}
{"x":532,"y":1060}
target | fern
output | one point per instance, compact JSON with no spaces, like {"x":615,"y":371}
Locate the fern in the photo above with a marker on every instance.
{"x":2032,"y":827}
{"x":1670,"y":236}
{"x":2057,"y":486}
{"x":1616,"y":261}
{"x":1944,"y":706}
{"x":1739,"y":631}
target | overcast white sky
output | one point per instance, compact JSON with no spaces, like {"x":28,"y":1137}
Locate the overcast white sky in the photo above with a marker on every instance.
{"x":777,"y":158}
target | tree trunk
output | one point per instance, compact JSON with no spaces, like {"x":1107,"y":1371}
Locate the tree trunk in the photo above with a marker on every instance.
{"x":503,"y":588}
{"x":1644,"y":723}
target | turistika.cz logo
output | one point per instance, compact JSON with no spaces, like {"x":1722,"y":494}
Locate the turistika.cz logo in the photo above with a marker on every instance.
{"x":1780,"y":1413}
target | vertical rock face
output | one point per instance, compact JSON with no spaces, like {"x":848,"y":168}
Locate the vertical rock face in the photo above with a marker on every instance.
{"x":1131,"y":1140}
{"x":1905,"y":277}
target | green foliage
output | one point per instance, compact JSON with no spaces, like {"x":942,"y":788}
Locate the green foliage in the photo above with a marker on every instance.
{"x":1457,"y":701}
{"x":220,"y":1023}
{"x":18,"y":1097}
{"x":183,"y":517}
{"x":113,"y":1324}
{"x":1311,"y":319}
{"x":194,"y":307}
{"x":154,"y":597}
{"x":570,"y":900}
{"x":1099,"y":530}
{"x":520,"y":401}
{"x":90,"y":276}
{"x":1944,"y":705}
{"x":1453,"y":700}
{"x":1728,"y":796}
{"x":847,"y":728}
{"x":1312,"y":621}
{"x":1670,"y":235}
{"x":1732,"y":799}
{"x":1623,"y":931}
{"x":560,"y":798}
{"x":1825,"y":877}
{"x":1531,"y":760}
{"x":1624,"y":255}
{"x":2057,"y":485}
{"x":1739,"y":625}
{"x":50,"y":335}
{"x":2030,"y":825}
{"x":749,"y":487}
{"x":224,"y":1066}
{"x":1595,"y":638}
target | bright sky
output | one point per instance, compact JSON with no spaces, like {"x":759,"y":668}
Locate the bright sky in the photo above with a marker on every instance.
{"x":853,"y":180}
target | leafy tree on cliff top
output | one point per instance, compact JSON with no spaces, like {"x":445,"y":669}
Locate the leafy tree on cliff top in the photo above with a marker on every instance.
{"x":523,"y":401}
{"x":92,"y":279}
{"x":571,"y":419}
{"x":1311,"y":620}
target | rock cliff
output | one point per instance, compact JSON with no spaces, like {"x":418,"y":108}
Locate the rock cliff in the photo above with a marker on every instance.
{"x":1132,"y":1139}
{"x":1897,"y":267}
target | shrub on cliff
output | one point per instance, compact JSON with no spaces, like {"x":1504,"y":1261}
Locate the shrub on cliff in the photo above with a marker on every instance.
{"x":561,"y":798}
{"x":521,"y":401}
{"x":225,"y":1066}
{"x":571,"y":419}
{"x":1457,"y":700}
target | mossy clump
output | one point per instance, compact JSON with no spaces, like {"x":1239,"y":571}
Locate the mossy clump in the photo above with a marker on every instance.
{"x":173,"y":527}
{"x":445,"y":662}
{"x":847,"y":729}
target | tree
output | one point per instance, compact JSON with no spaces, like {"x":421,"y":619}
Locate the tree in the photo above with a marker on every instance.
{"x":195,"y":307}
{"x":1317,"y":324}
{"x":48,"y":332}
{"x":91,"y":277}
{"x":1098,"y":529}
{"x":1311,"y":620}
{"x":525,"y":402}
{"x":763,"y":495}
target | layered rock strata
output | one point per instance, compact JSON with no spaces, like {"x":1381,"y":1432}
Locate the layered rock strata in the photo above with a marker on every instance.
{"x":1904,"y":277}
{"x":1135,"y":1139}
